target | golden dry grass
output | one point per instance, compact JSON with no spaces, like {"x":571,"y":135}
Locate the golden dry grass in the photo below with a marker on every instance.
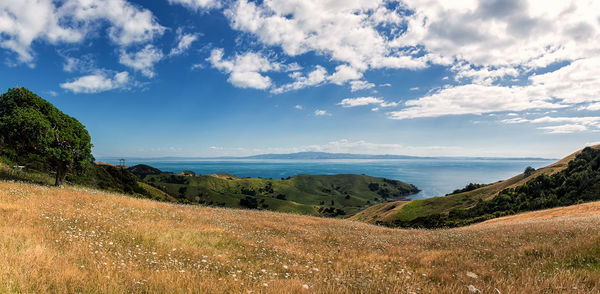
{"x":79,"y":240}
{"x":385,"y":212}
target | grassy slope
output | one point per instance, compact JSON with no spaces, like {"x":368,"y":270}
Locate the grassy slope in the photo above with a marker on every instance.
{"x":81,"y":240}
{"x":304,"y":193}
{"x":417,"y":208}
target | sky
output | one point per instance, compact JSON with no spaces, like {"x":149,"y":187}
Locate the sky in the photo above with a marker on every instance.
{"x":205,"y":78}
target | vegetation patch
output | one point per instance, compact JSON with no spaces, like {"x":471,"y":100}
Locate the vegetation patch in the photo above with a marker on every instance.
{"x":578,"y":183}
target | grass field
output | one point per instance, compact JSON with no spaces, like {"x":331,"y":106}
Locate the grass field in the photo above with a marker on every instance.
{"x":82,"y":240}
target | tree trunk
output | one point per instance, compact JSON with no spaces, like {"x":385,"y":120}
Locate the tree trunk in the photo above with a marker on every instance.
{"x":61,"y":173}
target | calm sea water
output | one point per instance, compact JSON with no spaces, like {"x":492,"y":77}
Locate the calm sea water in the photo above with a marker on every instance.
{"x":434,"y":177}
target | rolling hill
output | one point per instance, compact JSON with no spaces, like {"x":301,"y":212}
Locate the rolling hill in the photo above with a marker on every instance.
{"x":423,"y":212}
{"x":324,"y":195}
{"x":83,"y":240}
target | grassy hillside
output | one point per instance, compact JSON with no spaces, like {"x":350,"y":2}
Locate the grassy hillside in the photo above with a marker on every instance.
{"x":81,"y":240}
{"x":326,"y":195}
{"x":99,"y":176}
{"x":407,"y":213}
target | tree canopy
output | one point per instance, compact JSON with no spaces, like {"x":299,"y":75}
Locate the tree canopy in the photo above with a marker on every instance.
{"x":32,"y":125}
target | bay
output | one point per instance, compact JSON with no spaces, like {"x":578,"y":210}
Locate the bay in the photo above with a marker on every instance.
{"x":434,"y":176}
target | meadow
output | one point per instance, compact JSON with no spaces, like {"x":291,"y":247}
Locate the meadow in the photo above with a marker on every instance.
{"x":84,"y":240}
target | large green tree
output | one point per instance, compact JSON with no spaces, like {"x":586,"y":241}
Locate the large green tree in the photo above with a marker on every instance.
{"x":31,"y":125}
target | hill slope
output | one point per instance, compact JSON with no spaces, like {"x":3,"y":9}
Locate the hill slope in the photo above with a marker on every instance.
{"x":324,"y":195}
{"x":79,"y":240}
{"x":407,"y":212}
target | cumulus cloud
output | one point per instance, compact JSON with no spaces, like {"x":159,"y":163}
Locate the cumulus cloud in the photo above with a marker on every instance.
{"x":492,"y":40}
{"x":184,"y":42}
{"x":98,"y":82}
{"x":129,"y":24}
{"x":504,"y":33}
{"x":577,"y":82}
{"x":484,"y":42}
{"x":245,"y":70}
{"x":197,"y":4}
{"x":299,"y":107}
{"x":23,"y":22}
{"x":347,"y":32}
{"x":143,"y":60}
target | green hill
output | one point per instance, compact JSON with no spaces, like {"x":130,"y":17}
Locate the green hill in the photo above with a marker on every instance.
{"x":325,"y":195}
{"x":572,"y":179}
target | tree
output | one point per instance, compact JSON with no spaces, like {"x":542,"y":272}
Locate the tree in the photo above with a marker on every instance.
{"x":31,"y":125}
{"x":528,"y":171}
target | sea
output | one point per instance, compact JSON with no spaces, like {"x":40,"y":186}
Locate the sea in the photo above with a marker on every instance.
{"x":433,"y":176}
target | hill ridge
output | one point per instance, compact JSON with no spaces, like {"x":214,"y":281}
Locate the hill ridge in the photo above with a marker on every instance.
{"x":388,"y":213}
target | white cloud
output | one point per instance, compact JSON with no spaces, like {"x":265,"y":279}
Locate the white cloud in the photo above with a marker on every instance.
{"x":316,"y":77}
{"x":344,"y":73}
{"x":129,"y":24}
{"x":98,"y":82}
{"x":564,"y":129}
{"x":363,"y":101}
{"x":591,"y":107}
{"x":320,"y":112}
{"x":474,"y":99}
{"x":484,"y":41}
{"x":414,"y":89}
{"x":245,"y":71}
{"x":577,"y":82}
{"x":586,"y":120}
{"x":184,"y":42}
{"x":360,"y":85}
{"x":483,"y":75}
{"x":569,"y":124}
{"x":345,"y":31}
{"x":574,"y":83}
{"x":299,"y":107}
{"x":23,"y":22}
{"x":81,"y":64}
{"x":143,"y":60}
{"x":197,"y":4}
{"x":504,"y":33}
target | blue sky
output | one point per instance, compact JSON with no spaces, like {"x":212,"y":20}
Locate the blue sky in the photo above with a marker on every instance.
{"x":237,"y":77}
